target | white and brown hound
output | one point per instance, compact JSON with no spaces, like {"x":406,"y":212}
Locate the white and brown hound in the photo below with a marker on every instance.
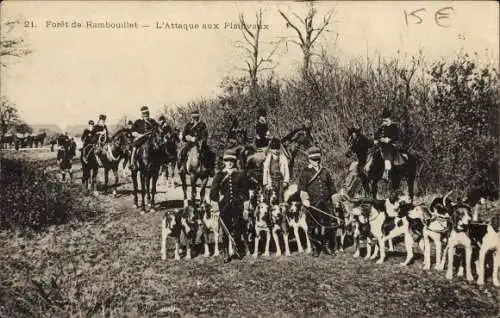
{"x":489,"y":240}
{"x":181,"y":224}
{"x":436,"y":229}
{"x":279,"y":225}
{"x":262,"y":225}
{"x":210,"y":223}
{"x":461,"y":216}
{"x":296,"y":217}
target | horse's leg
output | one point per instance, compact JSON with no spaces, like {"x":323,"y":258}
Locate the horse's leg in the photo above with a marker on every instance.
{"x":374,"y":188}
{"x":194,"y":178}
{"x":134,"y":182}
{"x":203,"y":189}
{"x":143,"y":192}
{"x":411,"y":183}
{"x":154,"y":180}
{"x":117,"y":178}
{"x":396,"y":179}
{"x":106,"y":180}
{"x":182,"y":176}
{"x":94,"y":180}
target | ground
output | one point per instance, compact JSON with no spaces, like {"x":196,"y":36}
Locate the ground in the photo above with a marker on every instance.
{"x":112,"y":267}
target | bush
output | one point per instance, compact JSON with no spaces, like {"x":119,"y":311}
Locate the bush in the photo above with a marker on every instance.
{"x":448,"y":113}
{"x":33,"y":199}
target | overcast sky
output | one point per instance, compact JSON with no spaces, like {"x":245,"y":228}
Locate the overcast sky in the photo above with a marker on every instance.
{"x":75,"y":74}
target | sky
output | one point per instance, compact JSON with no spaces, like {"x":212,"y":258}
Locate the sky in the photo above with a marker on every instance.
{"x":74,"y":74}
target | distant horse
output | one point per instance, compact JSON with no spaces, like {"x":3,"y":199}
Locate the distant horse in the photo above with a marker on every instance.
{"x":199,"y":165}
{"x":240,"y":147}
{"x":65,"y":156}
{"x":148,"y":160}
{"x":6,"y":141}
{"x":171,"y":142}
{"x":38,"y":139}
{"x":108,"y":158}
{"x":361,"y":147}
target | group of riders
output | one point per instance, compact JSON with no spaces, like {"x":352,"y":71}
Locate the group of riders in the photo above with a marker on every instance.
{"x":232,"y":187}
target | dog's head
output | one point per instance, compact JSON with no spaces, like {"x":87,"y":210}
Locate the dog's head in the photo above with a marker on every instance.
{"x":169,"y":222}
{"x":204,"y":210}
{"x":397,"y":197}
{"x":188,"y":218}
{"x":294,"y":209}
{"x":461,"y":217}
{"x":262,"y":212}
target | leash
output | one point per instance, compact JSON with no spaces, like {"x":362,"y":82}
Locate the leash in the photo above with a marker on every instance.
{"x":230,"y":237}
{"x":321,"y":211}
{"x":317,"y":222}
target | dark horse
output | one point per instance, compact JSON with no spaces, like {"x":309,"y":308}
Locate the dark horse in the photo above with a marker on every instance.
{"x":170,"y":145}
{"x":365,"y":150}
{"x":147,"y":161}
{"x":299,"y":140}
{"x":108,"y":157}
{"x":38,"y":139}
{"x":199,"y":165}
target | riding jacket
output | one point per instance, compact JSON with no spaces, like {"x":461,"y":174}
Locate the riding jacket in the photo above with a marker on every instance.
{"x":316,"y":186}
{"x":392,"y":132}
{"x":197,"y":130}
{"x":230,"y":188}
{"x":261,"y":132}
{"x":143,"y":126}
{"x":89,"y":136}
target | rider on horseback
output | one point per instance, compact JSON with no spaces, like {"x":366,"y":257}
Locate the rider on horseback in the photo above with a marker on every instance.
{"x":388,"y":138}
{"x":89,"y":137}
{"x":195,"y":132}
{"x":276,"y":176}
{"x":232,"y":135}
{"x":140,"y":129}
{"x":261,"y":130}
{"x":102,"y":133}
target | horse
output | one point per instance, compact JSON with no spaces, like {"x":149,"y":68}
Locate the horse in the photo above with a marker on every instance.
{"x":148,"y":160}
{"x":6,"y":141}
{"x":171,"y":141}
{"x":299,"y":140}
{"x":197,"y":168}
{"x":90,"y":166}
{"x":38,"y":139}
{"x":361,"y":146}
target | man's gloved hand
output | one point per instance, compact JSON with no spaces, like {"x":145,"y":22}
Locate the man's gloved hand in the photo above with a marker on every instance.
{"x":307,"y":203}
{"x":285,"y":185}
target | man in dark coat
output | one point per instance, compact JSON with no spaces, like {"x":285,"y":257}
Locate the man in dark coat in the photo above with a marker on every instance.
{"x":101,"y":130}
{"x":388,"y":137}
{"x":261,"y":130}
{"x":316,"y":189}
{"x":140,"y":130}
{"x":89,"y":137}
{"x":230,"y":194}
{"x":195,"y":132}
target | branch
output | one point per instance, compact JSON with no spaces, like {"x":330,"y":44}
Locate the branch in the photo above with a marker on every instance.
{"x":326,"y":21}
{"x":292,"y":25}
{"x":245,"y":28}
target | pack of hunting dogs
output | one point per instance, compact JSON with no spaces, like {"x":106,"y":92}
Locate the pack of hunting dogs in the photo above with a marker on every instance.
{"x":252,"y":208}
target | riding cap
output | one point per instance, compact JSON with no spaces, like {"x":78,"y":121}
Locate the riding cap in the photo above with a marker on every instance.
{"x":274,"y":144}
{"x":144,"y":110}
{"x":162,"y":118}
{"x":314,"y":152}
{"x":91,"y":122}
{"x":261,"y":112}
{"x":386,"y":113}
{"x":102,"y":117}
{"x":229,"y":154}
{"x":130,"y":122}
{"x":195,"y":113}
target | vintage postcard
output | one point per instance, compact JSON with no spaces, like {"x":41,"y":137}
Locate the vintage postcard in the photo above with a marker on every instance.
{"x":249,"y":158}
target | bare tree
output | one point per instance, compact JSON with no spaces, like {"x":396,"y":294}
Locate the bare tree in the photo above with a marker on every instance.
{"x":255,"y":60}
{"x":310,"y":33}
{"x":11,"y":45}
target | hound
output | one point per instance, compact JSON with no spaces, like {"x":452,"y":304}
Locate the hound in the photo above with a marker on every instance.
{"x":262,"y":225}
{"x":296,"y":217}
{"x":181,"y":225}
{"x":489,"y":240}
{"x":436,"y":229}
{"x":461,"y":217}
{"x":409,"y":221}
{"x":210,"y":223}
{"x":279,"y":225}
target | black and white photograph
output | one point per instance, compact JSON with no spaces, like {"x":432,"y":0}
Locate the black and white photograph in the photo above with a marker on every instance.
{"x":249,"y":159}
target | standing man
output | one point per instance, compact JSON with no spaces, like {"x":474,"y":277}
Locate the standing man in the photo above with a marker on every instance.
{"x":316,"y":189}
{"x":276,"y":176}
{"x":261,"y":130}
{"x":194,"y":132}
{"x":231,"y":193}
{"x":140,"y":129}
{"x":388,"y":136}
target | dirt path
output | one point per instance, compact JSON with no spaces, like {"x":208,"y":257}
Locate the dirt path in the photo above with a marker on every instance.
{"x":113,"y":267}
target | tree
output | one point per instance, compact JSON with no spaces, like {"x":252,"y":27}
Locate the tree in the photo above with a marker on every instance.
{"x":309,"y":35}
{"x":11,"y":46}
{"x":253,"y":50}
{"x":9,"y":116}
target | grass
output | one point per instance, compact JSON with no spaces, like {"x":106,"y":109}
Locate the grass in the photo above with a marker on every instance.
{"x":110,"y":266}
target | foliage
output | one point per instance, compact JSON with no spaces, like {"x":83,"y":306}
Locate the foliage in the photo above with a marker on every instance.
{"x":11,"y":45}
{"x":31,"y":199}
{"x":9,"y":115}
{"x":448,"y":113}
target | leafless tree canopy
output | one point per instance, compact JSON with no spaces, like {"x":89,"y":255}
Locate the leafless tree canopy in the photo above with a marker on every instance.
{"x":10,"y":45}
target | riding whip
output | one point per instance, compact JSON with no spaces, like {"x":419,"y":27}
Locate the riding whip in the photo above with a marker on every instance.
{"x":230,"y":237}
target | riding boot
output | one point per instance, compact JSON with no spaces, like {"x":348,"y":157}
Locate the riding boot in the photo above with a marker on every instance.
{"x":325,"y":240}
{"x":132,"y":158}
